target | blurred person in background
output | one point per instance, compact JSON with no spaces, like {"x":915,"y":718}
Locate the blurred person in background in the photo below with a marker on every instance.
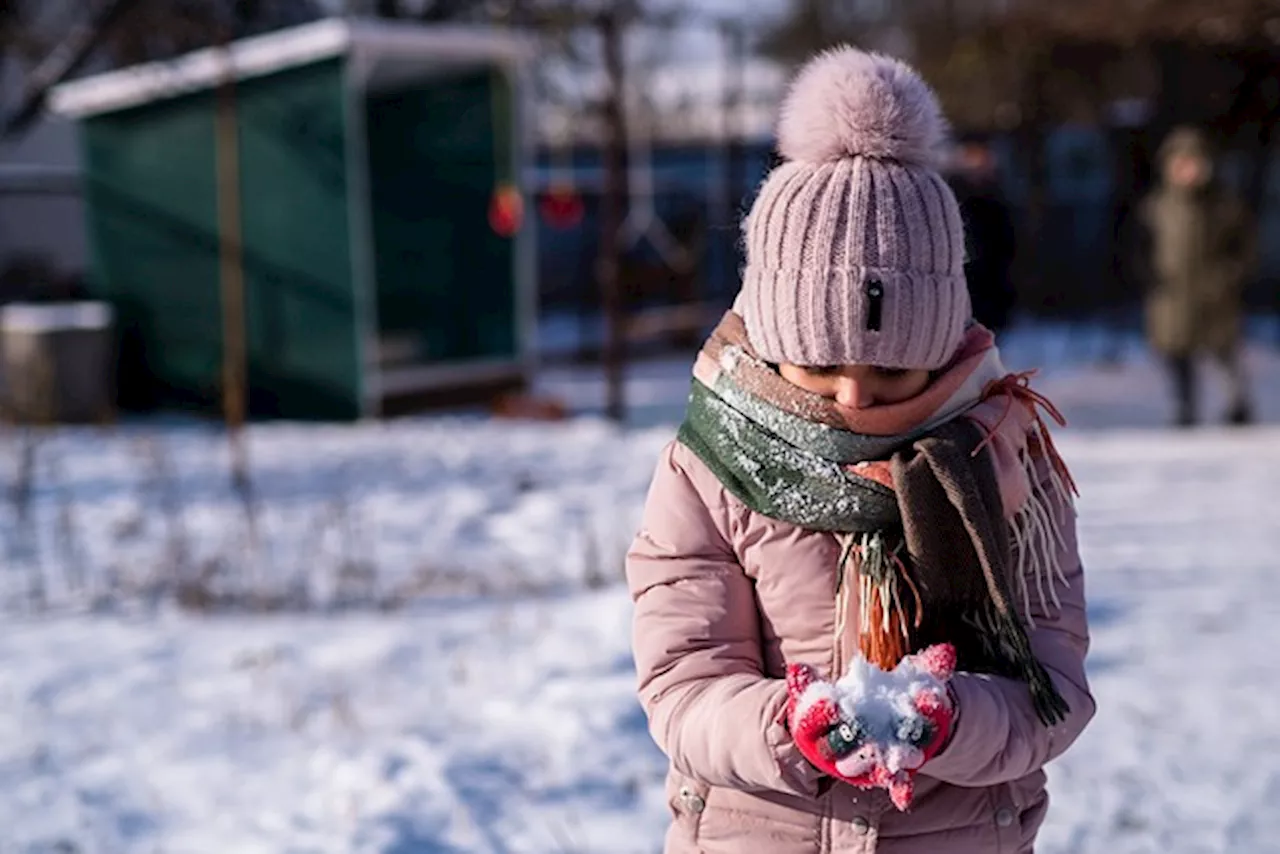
{"x":989,"y":232}
{"x":1197,"y":245}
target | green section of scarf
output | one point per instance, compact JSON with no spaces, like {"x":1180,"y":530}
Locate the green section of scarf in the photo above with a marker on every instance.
{"x":773,"y":471}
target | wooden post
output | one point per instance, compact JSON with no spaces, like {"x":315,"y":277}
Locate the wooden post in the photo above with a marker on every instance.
{"x":1033,"y":138}
{"x":79,"y":43}
{"x":734,"y":135}
{"x":612,"y":210}
{"x":231,"y":273}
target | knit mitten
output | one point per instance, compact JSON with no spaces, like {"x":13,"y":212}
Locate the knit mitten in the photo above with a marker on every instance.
{"x":871,"y":728}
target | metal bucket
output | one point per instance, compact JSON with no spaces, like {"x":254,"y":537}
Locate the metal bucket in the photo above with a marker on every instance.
{"x":58,"y":362}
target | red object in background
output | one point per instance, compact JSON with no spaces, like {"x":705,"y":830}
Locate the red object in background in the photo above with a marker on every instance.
{"x":506,"y":210}
{"x":523,"y":406}
{"x":562,"y":207}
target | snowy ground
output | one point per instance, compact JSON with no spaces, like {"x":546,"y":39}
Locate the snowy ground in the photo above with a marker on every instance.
{"x":388,"y":510}
{"x":505,"y":722}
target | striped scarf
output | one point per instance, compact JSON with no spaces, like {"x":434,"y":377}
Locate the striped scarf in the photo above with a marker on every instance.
{"x":937,"y":501}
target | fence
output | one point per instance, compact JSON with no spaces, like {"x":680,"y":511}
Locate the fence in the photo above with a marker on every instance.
{"x":1074,"y":277}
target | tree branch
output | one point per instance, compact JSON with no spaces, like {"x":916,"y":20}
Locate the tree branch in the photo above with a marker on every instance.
{"x":63,"y":61}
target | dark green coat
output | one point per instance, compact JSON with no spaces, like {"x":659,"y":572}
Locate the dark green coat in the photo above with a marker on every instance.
{"x":1199,"y":248}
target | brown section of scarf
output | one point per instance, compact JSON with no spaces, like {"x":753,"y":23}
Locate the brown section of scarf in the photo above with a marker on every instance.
{"x":961,"y":559}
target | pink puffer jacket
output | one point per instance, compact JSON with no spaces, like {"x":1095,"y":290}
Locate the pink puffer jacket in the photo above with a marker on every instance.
{"x":724,"y":599}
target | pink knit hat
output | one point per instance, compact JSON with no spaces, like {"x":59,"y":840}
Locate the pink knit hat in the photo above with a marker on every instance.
{"x":855,"y":247}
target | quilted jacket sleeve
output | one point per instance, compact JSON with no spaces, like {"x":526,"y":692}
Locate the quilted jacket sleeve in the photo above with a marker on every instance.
{"x":697,"y":642}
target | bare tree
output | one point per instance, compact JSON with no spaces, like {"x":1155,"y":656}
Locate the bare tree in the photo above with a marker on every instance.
{"x":160,"y":29}
{"x":51,"y":43}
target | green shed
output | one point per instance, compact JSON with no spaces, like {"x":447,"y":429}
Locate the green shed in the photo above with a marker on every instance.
{"x":369,"y":158}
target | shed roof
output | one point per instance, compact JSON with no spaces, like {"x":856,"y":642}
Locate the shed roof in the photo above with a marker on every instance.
{"x":266,"y":54}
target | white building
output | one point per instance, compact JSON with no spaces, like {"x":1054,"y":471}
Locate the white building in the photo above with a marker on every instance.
{"x":41,"y":213}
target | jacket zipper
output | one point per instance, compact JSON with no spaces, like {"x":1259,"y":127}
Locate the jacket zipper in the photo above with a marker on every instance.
{"x":843,"y":585}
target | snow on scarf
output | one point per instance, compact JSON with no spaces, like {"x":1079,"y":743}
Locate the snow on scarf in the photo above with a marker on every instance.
{"x":935,"y":500}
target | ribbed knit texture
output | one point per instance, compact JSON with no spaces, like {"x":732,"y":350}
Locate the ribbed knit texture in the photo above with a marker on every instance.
{"x":856,"y":259}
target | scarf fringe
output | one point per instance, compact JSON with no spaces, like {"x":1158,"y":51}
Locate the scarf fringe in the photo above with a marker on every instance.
{"x":1038,"y":540}
{"x":1050,"y":706}
{"x":884,"y":633}
{"x":1037,"y":535}
{"x":1003,"y":639}
{"x":1016,"y":388}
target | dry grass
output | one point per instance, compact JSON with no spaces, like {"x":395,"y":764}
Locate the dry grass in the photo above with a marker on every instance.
{"x":153,"y":559}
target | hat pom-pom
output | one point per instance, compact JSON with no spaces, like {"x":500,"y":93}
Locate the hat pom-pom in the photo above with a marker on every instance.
{"x":848,"y":103}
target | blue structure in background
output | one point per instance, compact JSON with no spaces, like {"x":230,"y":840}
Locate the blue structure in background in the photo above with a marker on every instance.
{"x":690,"y":181}
{"x":691,"y":196}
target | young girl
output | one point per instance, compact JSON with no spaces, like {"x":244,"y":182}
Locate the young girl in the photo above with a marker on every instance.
{"x":860,"y":621}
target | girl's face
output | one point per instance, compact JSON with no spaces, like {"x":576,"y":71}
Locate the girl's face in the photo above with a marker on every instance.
{"x":858,"y":386}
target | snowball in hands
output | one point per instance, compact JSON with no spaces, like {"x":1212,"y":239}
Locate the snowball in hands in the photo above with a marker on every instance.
{"x":871,"y":728}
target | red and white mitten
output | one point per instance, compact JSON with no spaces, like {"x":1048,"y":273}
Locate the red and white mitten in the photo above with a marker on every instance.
{"x":871,"y":728}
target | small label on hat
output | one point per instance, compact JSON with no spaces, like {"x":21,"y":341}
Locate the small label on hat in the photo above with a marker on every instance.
{"x":875,"y":304}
